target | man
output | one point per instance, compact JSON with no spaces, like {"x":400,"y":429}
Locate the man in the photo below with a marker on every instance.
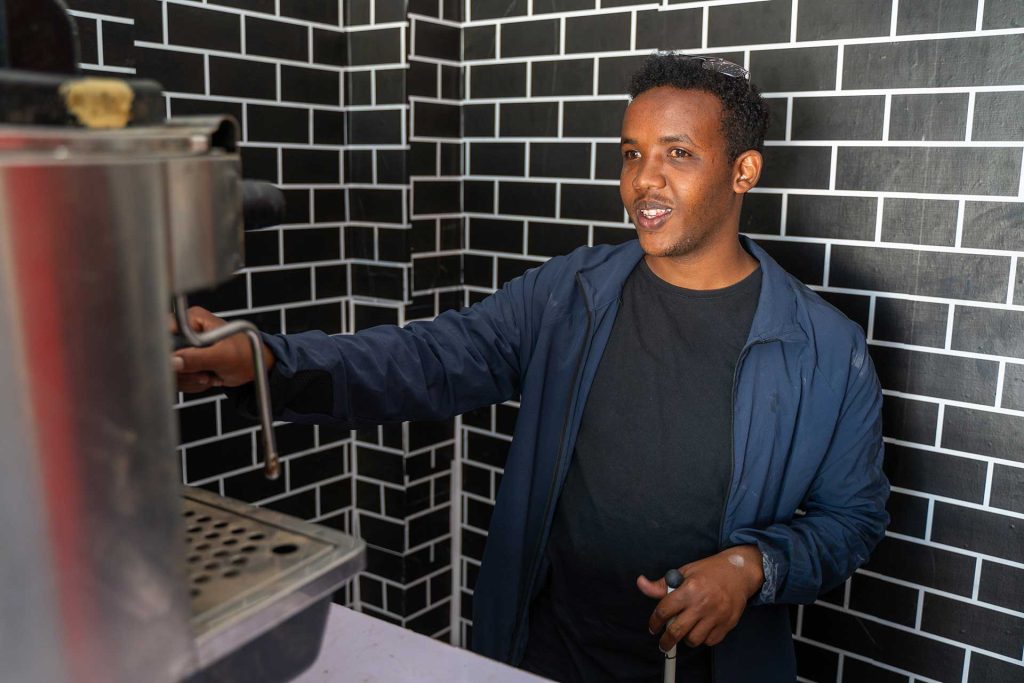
{"x":682,"y":397}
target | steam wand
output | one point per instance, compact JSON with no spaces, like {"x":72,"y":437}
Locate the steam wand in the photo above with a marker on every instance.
{"x":271,"y":463}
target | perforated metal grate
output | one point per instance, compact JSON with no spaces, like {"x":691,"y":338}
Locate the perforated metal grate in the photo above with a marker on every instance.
{"x":230,"y":555}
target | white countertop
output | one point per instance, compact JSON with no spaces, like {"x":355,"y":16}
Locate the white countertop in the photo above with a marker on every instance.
{"x":361,"y":648}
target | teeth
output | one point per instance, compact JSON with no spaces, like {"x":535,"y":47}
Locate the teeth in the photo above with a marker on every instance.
{"x":653,"y":213}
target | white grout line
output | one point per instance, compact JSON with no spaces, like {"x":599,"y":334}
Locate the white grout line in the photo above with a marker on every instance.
{"x":886,"y":116}
{"x":839,"y":67}
{"x":999,"y":383}
{"x":789,"y":116}
{"x":792,"y":20}
{"x":931,"y":501}
{"x":989,"y":473}
{"x":455,"y":523}
{"x":163,"y":9}
{"x":276,"y":60}
{"x":958,"y":240}
{"x":101,"y":17}
{"x":977,"y":579}
{"x":971,"y":97}
{"x":1020,"y":188}
{"x":704,"y":29}
{"x":893,"y":18}
{"x":967,"y":666}
{"x":878,"y":220}
{"x":980,"y":20}
{"x":872,"y":305}
{"x":99,"y":43}
{"x":828,"y":261}
{"x":920,"y":610}
{"x":832,"y":167}
{"x":939,"y":421}
{"x":109,"y":69}
{"x":948,"y":344}
{"x":1013,"y":281}
{"x":632,"y":31}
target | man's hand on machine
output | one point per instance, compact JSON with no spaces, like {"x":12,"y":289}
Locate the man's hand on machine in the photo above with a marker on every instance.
{"x":710,"y":601}
{"x":227,"y":363}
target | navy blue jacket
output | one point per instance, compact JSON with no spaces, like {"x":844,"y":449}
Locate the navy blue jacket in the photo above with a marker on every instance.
{"x":806,"y":431}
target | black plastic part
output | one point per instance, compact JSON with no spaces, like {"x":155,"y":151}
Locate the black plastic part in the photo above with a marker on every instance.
{"x":278,"y":655}
{"x":33,"y":98}
{"x":40,"y":36}
{"x":263,"y":204}
{"x":673,"y":579}
{"x":5,"y":60}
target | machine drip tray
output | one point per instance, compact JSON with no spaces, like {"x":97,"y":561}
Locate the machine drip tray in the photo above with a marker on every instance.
{"x":260,"y":585}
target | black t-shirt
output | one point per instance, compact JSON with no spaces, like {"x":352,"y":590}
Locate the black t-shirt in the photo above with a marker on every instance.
{"x":647,"y":485}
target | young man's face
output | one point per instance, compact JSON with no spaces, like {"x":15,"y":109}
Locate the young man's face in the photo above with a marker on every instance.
{"x":677,"y":180}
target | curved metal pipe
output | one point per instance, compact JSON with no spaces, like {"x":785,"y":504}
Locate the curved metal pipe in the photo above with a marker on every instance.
{"x":271,"y":463}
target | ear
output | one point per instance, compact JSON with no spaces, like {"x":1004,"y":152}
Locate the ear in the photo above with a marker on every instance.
{"x":746,"y":171}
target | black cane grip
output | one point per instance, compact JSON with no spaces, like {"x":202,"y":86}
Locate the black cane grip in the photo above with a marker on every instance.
{"x":673,"y":579}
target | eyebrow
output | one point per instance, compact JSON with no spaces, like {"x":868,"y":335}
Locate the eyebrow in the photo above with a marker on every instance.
{"x":667,"y":139}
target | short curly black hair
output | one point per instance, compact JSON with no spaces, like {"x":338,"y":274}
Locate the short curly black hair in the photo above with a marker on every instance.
{"x":744,"y":111}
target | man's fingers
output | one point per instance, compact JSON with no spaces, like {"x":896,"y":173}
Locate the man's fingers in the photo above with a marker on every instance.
{"x":699,"y":633}
{"x":678,"y":629}
{"x":669,"y":608}
{"x":717,"y":635}
{"x":652,"y":589}
{"x":194,"y":382}
{"x":192,"y":360}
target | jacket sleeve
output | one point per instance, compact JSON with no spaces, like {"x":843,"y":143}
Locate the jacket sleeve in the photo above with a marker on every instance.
{"x":845,"y":506}
{"x":432,"y":370}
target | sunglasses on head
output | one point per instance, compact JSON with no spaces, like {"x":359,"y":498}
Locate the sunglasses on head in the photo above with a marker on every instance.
{"x":721,"y":66}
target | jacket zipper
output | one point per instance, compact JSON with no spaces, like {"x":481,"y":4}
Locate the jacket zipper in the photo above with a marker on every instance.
{"x":530,"y":579}
{"x":732,"y":453}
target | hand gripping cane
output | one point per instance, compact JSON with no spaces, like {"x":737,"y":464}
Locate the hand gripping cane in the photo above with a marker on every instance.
{"x":673,"y":580}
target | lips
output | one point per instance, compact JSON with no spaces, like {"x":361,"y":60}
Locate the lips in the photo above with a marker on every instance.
{"x":651,"y":215}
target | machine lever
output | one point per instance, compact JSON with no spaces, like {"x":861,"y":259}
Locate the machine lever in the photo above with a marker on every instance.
{"x":271,"y":463}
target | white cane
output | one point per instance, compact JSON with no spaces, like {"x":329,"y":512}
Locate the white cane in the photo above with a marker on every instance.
{"x":673,"y":580}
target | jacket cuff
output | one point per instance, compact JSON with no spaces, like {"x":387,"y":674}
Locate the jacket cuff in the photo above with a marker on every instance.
{"x":773,"y":564}
{"x":244,"y":397}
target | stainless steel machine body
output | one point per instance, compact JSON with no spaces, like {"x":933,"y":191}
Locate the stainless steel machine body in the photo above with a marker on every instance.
{"x":88,"y":498}
{"x":97,"y":230}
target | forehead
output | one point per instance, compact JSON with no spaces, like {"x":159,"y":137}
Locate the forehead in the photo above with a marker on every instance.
{"x":667,"y":111}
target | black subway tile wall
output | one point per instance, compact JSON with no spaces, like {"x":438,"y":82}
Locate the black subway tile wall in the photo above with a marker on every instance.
{"x":892,"y":186}
{"x":432,"y":149}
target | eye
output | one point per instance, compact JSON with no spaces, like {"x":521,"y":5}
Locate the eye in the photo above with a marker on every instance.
{"x":631,"y":154}
{"x":678,"y":153}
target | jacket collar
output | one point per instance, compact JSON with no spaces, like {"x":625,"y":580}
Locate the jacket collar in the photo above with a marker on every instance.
{"x":776,"y":314}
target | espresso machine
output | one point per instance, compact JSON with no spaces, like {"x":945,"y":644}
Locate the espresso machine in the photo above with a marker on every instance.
{"x":110,"y":570}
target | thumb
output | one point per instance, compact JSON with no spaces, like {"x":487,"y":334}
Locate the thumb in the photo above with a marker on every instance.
{"x":191,"y":359}
{"x":652,"y":589}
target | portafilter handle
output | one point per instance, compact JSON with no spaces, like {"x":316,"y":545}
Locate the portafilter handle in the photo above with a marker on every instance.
{"x":271,"y":463}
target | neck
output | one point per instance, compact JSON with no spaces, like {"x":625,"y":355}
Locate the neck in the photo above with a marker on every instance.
{"x":713,"y":267}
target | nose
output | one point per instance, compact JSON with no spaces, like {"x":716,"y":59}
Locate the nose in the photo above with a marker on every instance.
{"x":649,"y":175}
